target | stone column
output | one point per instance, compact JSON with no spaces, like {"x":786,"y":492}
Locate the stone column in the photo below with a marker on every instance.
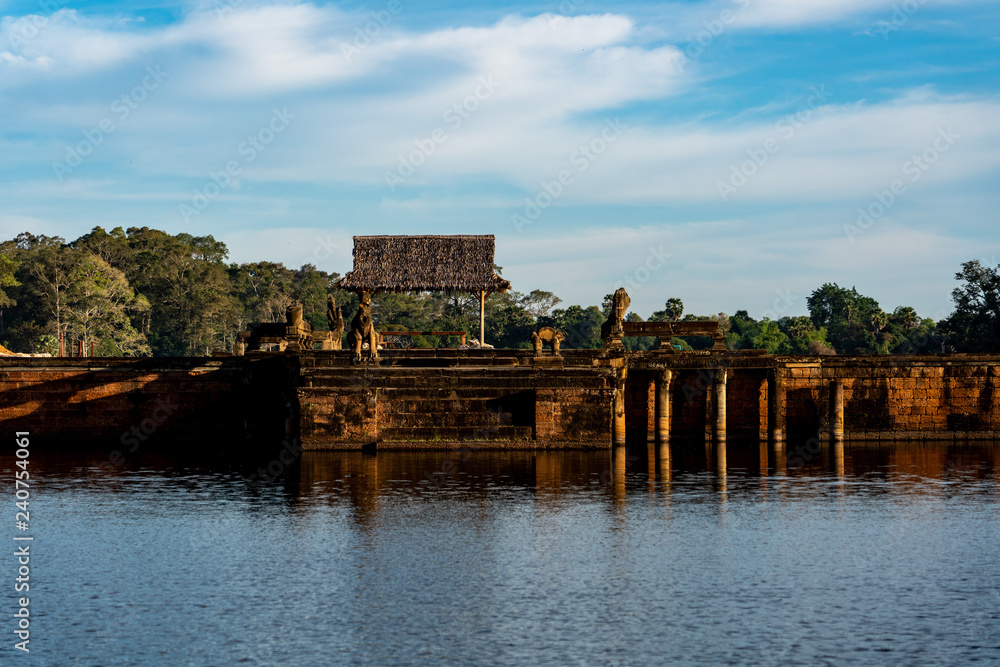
{"x":776,"y":407}
{"x":619,"y":409}
{"x":721,"y":376}
{"x":663,"y":406}
{"x":837,"y":411}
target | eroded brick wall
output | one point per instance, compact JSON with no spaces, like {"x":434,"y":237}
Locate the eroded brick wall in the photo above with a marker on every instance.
{"x":123,"y":400}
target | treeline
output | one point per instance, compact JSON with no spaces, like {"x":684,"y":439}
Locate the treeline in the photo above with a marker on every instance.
{"x":145,"y":292}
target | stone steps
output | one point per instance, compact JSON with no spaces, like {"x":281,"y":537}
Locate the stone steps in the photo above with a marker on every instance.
{"x":456,"y":434}
{"x":449,"y":419}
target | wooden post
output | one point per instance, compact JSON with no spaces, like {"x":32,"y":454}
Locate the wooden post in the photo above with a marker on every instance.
{"x":91,"y":348}
{"x":721,"y":375}
{"x":62,"y":344}
{"x":482,"y":317}
{"x":663,"y":407}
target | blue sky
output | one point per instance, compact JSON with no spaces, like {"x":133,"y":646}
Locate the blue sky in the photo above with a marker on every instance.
{"x":735,"y":154}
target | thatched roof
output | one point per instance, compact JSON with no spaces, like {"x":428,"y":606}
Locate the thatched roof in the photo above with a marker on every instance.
{"x":423,"y":263}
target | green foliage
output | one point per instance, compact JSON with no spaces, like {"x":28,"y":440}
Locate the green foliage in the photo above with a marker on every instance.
{"x":672,"y":312}
{"x":143,"y":291}
{"x":974,"y":326}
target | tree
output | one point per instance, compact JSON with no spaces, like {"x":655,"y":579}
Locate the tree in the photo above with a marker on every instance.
{"x":853,"y":322}
{"x":581,"y":326}
{"x":98,"y":306}
{"x":538,"y":302}
{"x":974,"y":326}
{"x":186,"y":281}
{"x":49,"y":268}
{"x":672,"y":311}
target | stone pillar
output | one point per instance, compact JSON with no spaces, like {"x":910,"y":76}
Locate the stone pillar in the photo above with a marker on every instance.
{"x":619,"y":408}
{"x":837,"y":411}
{"x":776,"y":407}
{"x":663,"y":406}
{"x":721,"y":376}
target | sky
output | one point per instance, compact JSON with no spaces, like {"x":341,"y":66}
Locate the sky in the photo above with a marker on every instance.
{"x":735,"y":154}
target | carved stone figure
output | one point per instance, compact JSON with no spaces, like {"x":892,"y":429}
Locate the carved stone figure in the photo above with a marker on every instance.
{"x":336,"y":321}
{"x":612,"y":330}
{"x":362,"y":330}
{"x":546,"y":335}
{"x":293,"y":315}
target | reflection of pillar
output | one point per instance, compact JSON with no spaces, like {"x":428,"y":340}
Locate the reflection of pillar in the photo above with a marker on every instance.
{"x":837,"y":411}
{"x":618,"y":473}
{"x":619,"y":415}
{"x":663,"y":453}
{"x":776,"y":407}
{"x":720,"y":405}
{"x":837,"y":450}
{"x":651,"y":456}
{"x":663,"y":407}
{"x":720,"y":465}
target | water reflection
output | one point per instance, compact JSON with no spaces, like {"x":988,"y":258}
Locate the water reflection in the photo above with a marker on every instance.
{"x":871,"y":552}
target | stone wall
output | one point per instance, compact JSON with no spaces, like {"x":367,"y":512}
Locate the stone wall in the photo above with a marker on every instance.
{"x":463,"y":400}
{"x":495,"y":399}
{"x":107,"y":401}
{"x":900,"y":397}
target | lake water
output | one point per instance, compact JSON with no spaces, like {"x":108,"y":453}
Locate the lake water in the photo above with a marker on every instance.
{"x":872,"y":555}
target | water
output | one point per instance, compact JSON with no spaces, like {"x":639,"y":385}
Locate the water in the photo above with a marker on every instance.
{"x":883,"y":555}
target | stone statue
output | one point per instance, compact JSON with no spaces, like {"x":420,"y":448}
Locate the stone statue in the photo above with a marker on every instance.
{"x":293,"y":314}
{"x":546,"y":335}
{"x":362,"y":329}
{"x":336,"y":322}
{"x":612,"y":330}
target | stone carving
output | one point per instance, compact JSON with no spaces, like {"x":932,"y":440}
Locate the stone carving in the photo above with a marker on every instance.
{"x":612,"y":330}
{"x":546,"y":335}
{"x":362,"y":330}
{"x":293,"y":315}
{"x":336,"y":322}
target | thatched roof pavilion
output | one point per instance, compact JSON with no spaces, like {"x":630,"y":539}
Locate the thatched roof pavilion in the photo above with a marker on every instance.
{"x":423,"y":264}
{"x":462,"y":263}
